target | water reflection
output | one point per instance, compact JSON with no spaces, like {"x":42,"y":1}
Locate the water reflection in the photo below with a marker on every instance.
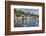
{"x":26,"y":21}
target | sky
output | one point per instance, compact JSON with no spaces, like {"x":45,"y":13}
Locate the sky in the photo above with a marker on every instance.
{"x":34,"y":11}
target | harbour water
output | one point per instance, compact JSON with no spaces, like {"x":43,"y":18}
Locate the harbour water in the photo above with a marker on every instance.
{"x":29,"y":22}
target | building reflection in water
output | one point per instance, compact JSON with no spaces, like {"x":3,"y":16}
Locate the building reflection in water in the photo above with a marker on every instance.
{"x":26,"y":21}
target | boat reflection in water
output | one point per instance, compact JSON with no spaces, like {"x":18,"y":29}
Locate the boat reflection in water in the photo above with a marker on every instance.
{"x":26,"y":21}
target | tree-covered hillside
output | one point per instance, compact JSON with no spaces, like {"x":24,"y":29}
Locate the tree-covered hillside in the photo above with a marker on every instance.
{"x":18,"y":13}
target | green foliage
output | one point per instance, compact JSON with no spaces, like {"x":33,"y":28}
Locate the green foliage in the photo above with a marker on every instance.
{"x":18,"y":13}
